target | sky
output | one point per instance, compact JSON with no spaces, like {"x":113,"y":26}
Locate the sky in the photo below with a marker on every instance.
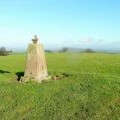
{"x":60,"y":23}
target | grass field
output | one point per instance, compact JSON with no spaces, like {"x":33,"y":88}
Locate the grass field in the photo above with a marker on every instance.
{"x":90,"y":92}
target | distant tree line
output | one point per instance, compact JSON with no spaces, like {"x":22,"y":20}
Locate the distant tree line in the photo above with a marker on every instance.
{"x":67,"y":49}
{"x":4,"y":52}
{"x":49,"y":51}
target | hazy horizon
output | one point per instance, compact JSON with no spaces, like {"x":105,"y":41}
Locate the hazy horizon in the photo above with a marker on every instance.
{"x":61,"y":23}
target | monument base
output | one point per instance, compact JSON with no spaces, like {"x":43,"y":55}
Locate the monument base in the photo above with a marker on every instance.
{"x":34,"y":79}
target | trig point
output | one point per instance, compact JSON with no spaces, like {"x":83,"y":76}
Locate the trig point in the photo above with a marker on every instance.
{"x":36,"y":68}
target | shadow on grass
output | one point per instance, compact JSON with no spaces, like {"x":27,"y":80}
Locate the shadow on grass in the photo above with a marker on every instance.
{"x":19,"y":75}
{"x":3,"y":71}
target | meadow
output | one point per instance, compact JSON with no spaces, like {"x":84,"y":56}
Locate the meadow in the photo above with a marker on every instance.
{"x":91,"y":91}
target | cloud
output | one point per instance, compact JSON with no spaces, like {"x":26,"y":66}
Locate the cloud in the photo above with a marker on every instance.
{"x":100,"y":40}
{"x":116,"y":42}
{"x":68,"y":41}
{"x":84,"y":41}
{"x":87,"y":40}
{"x":91,"y":40}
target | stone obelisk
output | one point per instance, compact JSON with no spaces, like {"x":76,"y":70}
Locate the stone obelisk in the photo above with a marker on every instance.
{"x":36,"y":68}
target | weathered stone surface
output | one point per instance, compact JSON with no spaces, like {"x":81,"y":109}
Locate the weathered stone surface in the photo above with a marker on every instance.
{"x":36,"y":68}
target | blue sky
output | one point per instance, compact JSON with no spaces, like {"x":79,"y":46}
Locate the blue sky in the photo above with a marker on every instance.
{"x":60,"y":23}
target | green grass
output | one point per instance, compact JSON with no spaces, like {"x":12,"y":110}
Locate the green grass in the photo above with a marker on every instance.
{"x":91,"y":92}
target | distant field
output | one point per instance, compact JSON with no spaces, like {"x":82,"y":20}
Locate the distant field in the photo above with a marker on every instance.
{"x":90,"y":92}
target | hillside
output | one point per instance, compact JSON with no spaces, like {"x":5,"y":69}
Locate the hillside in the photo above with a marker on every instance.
{"x":91,"y":91}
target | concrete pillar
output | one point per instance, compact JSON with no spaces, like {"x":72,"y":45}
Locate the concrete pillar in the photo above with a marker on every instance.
{"x":36,"y":68}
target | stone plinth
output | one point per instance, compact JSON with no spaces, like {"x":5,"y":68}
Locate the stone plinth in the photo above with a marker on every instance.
{"x":36,"y":68}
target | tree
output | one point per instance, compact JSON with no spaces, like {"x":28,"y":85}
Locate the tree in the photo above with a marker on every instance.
{"x":64,"y":49}
{"x":49,"y":51}
{"x":88,"y":50}
{"x":4,"y":52}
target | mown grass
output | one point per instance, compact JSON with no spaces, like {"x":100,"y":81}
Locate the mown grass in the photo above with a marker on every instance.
{"x":90,"y":92}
